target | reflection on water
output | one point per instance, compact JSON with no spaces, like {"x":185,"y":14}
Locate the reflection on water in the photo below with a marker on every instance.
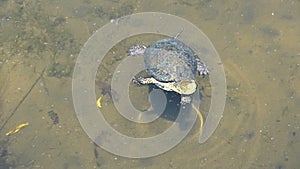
{"x":257,"y":42}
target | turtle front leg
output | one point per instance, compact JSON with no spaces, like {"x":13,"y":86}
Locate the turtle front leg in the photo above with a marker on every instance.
{"x":202,"y":68}
{"x":151,"y":80}
{"x":144,"y":81}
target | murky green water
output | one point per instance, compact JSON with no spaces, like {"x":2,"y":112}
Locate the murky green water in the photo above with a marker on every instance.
{"x":258,"y":43}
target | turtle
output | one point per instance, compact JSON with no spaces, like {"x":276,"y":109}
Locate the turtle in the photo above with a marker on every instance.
{"x":172,"y":66}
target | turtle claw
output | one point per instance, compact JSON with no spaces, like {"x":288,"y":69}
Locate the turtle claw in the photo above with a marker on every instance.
{"x":142,"y":81}
{"x":137,"y":81}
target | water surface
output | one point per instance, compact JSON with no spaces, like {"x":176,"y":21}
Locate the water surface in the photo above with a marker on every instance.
{"x":258,"y":43}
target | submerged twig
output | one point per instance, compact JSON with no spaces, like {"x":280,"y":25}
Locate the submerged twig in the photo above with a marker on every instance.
{"x":22,"y":100}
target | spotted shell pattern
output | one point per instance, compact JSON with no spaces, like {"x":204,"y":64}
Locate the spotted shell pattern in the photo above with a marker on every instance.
{"x":170,"y":60}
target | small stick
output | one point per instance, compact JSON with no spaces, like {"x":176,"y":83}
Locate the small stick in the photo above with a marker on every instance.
{"x":179,"y":33}
{"x":22,"y":100}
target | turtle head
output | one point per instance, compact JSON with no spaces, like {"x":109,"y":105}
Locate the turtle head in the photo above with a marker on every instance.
{"x":186,"y":87}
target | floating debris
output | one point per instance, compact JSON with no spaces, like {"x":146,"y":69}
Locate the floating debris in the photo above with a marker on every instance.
{"x":99,"y":102}
{"x":54,"y":117}
{"x":17,"y":129}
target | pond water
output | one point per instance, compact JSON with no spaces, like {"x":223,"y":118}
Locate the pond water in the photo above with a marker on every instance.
{"x":257,"y":41}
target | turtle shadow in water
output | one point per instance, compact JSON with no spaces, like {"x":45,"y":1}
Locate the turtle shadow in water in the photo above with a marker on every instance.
{"x":173,"y":103}
{"x":173,"y":107}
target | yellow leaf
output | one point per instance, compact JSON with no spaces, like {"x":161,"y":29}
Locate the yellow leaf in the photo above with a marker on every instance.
{"x":17,"y":129}
{"x":99,"y":102}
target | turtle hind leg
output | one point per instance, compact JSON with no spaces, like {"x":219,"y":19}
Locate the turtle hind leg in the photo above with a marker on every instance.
{"x":185,"y":100}
{"x":202,"y":68}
